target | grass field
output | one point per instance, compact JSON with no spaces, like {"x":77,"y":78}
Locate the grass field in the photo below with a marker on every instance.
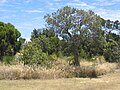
{"x":107,"y":82}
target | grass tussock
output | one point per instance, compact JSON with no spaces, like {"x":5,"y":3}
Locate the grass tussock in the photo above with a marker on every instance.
{"x":60,"y":70}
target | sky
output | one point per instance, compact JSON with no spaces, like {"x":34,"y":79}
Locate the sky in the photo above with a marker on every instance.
{"x":27,"y":15}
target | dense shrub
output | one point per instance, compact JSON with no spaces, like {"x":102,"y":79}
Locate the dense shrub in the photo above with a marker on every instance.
{"x":33,"y":55}
{"x":112,"y":52}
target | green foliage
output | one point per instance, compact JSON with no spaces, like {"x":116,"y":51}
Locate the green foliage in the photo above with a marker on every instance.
{"x":112,"y":47}
{"x":112,"y":52}
{"x":9,"y":39}
{"x":65,"y":48}
{"x":32,"y":55}
{"x":35,"y":34}
{"x":48,"y":41}
{"x":8,"y":59}
{"x":83,"y":53}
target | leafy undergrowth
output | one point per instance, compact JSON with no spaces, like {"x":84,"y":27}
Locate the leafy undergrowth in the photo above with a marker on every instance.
{"x":60,"y":70}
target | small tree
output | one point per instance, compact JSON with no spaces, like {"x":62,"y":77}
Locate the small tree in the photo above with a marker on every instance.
{"x":32,"y":54}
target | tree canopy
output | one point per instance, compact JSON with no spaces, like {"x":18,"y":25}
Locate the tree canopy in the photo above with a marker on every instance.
{"x":10,"y":40}
{"x":75,"y":24}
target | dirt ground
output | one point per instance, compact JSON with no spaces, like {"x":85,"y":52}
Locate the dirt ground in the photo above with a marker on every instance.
{"x":107,"y":82}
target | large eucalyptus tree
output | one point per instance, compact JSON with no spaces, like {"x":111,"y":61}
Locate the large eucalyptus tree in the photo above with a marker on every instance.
{"x":74,"y":24}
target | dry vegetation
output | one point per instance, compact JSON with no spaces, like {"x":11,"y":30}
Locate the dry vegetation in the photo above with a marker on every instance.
{"x":106,"y":82}
{"x":60,"y":70}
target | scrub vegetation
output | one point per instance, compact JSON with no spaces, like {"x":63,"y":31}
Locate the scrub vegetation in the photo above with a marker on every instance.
{"x":74,"y":43}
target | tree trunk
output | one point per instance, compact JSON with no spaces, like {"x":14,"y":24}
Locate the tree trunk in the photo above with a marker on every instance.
{"x":75,"y":50}
{"x":76,"y":60}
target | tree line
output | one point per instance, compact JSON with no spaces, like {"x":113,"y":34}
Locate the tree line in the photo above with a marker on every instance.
{"x":68,"y":32}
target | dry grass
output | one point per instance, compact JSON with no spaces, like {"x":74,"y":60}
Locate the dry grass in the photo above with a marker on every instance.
{"x":26,"y":72}
{"x":106,"y":82}
{"x":106,"y":68}
{"x":60,"y":70}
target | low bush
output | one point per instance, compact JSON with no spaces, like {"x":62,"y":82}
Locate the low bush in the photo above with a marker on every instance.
{"x":8,"y":59}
